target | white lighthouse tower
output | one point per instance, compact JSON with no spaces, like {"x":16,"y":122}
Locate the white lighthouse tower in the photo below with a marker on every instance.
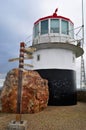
{"x":55,"y":57}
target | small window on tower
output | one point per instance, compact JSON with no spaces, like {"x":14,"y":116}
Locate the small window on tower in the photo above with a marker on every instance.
{"x":38,"y":57}
{"x":73,"y":59}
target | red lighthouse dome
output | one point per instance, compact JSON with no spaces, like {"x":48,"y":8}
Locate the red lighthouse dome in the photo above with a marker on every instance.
{"x":53,"y":16}
{"x":46,"y":29}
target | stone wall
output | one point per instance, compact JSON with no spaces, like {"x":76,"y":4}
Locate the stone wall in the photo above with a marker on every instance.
{"x":81,"y":95}
{"x":35,"y":92}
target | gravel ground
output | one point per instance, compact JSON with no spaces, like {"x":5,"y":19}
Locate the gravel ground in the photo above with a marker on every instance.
{"x":52,"y":118}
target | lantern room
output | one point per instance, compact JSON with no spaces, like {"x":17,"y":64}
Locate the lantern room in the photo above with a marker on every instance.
{"x":53,"y":28}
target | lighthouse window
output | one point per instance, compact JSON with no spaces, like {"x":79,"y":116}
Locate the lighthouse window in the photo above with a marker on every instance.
{"x":64,"y":27}
{"x":54,"y":26}
{"x":73,"y":59}
{"x":71,"y":31}
{"x":38,"y":57}
{"x":44,"y":27}
{"x":36,"y":30}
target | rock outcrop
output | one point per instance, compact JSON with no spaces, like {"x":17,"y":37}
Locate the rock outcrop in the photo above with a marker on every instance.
{"x":34,"y":92}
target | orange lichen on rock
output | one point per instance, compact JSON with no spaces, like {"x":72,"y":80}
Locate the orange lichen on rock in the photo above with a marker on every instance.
{"x":35,"y":92}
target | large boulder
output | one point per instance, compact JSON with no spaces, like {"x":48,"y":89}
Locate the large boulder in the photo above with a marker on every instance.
{"x":34,"y":92}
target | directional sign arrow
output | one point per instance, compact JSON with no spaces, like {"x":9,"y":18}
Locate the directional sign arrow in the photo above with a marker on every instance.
{"x":15,"y":59}
{"x":30,"y":50}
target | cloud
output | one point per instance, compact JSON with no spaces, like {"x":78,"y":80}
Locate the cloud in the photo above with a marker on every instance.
{"x":17,"y":18}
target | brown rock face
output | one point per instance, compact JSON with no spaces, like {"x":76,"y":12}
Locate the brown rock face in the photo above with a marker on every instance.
{"x":34,"y":92}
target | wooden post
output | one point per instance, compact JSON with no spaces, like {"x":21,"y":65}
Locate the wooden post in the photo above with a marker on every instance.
{"x":21,"y":66}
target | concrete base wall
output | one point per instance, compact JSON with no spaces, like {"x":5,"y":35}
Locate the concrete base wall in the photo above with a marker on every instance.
{"x":81,"y":95}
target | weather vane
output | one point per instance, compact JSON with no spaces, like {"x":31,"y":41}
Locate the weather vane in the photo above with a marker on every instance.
{"x":56,"y":10}
{"x":55,"y":13}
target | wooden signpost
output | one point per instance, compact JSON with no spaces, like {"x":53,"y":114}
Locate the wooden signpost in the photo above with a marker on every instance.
{"x":29,"y":52}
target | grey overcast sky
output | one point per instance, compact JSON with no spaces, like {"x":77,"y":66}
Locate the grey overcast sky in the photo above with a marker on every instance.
{"x":16,"y":23}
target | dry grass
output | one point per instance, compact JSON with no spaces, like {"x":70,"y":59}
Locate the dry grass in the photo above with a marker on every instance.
{"x":52,"y":118}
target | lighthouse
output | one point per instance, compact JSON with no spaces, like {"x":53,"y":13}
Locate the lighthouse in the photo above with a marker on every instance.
{"x":55,"y":57}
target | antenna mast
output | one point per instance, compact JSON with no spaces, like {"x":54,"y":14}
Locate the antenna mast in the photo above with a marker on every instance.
{"x":82,"y":76}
